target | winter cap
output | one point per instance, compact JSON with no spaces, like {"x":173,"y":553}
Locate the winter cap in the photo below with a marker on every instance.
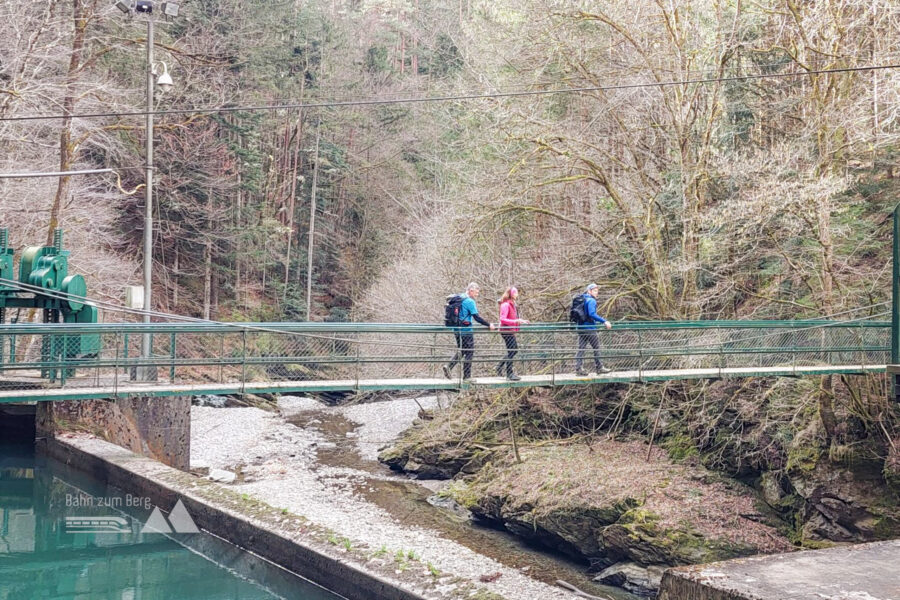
{"x":591,"y":286}
{"x":513,"y":291}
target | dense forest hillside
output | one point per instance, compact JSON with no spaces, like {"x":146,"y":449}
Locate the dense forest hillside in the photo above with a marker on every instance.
{"x":757,"y":187}
{"x":233,"y":189}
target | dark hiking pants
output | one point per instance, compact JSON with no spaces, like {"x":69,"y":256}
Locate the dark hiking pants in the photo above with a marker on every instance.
{"x":512,"y":348}
{"x":587,"y":338}
{"x":465,"y":343}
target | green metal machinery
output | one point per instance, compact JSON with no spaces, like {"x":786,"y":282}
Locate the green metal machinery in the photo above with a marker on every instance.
{"x":44,"y":284}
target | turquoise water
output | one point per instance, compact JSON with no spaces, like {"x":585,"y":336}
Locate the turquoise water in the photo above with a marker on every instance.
{"x":64,"y":537}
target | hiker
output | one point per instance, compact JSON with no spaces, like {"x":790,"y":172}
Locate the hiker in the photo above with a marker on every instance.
{"x":509,"y":326}
{"x":465,"y":339}
{"x":587,"y":332}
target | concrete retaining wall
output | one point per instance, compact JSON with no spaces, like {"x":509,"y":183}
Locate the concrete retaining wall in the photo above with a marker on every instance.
{"x":164,"y":485}
{"x":858,"y":572}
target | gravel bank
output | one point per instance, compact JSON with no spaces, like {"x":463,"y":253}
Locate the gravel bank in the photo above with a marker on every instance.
{"x":276,"y":462}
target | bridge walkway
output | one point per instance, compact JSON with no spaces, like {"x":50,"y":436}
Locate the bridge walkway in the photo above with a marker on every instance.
{"x":191,"y":359}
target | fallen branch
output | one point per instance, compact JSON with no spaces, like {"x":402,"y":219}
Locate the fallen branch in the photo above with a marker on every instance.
{"x":572,"y":588}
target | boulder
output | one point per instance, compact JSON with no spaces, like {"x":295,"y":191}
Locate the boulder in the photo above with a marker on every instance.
{"x":439,"y":460}
{"x":843,"y":505}
{"x":221,"y":475}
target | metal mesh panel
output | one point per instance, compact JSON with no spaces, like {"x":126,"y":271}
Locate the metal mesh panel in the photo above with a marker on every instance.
{"x":350,"y":356}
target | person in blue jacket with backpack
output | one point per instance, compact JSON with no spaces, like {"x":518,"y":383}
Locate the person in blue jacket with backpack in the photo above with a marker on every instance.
{"x":465,"y":340}
{"x":587,"y":332}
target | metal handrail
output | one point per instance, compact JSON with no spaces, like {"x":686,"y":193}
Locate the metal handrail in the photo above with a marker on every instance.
{"x":401,"y":355}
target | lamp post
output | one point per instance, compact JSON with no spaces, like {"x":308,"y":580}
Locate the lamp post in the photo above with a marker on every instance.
{"x":170,"y":9}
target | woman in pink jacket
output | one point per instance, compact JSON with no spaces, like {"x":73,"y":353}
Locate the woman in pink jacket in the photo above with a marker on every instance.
{"x":509,"y":325}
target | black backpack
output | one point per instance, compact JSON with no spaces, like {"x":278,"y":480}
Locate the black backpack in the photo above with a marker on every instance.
{"x":577,"y":314}
{"x":451,"y":310}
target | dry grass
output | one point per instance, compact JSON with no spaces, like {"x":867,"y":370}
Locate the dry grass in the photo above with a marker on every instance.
{"x":577,"y":477}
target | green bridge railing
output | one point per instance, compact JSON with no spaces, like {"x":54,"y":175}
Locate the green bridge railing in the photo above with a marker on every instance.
{"x":261,"y":356}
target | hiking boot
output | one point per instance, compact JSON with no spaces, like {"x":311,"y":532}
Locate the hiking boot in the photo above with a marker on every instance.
{"x":513,"y":377}
{"x":447,"y":372}
{"x":581,"y":373}
{"x":603,"y":370}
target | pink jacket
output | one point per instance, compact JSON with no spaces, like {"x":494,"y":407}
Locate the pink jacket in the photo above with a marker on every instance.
{"x":509,"y":317}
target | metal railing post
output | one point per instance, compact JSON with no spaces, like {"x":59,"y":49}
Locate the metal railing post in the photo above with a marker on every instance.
{"x":116,"y":363}
{"x":860,"y":340}
{"x":358,"y":364}
{"x":794,"y":350}
{"x":172,"y":366}
{"x":243,"y":359}
{"x":222,"y":358}
{"x":640,"y":369}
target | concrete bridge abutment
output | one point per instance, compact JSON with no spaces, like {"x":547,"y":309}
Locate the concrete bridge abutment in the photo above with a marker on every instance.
{"x":158,"y":428}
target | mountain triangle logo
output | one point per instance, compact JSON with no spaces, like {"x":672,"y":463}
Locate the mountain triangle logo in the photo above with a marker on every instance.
{"x":179,"y":521}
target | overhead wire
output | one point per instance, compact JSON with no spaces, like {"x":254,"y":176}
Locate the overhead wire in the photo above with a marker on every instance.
{"x":451,"y":97}
{"x":622,"y":73}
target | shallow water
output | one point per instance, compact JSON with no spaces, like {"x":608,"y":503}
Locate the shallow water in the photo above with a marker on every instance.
{"x":408,"y":502}
{"x":66,"y":537}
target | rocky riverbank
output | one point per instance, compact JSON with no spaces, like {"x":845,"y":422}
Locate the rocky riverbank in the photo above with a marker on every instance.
{"x":293,"y":459}
{"x":629,"y":515}
{"x":738,"y":471}
{"x":729,"y":476}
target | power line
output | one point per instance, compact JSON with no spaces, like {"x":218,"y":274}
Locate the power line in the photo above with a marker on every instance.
{"x":452,"y":98}
{"x":636,"y":72}
{"x":53,"y":174}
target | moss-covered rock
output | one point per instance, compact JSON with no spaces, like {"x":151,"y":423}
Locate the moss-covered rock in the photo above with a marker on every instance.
{"x":841,"y":504}
{"x":609,"y":504}
{"x":438,"y":460}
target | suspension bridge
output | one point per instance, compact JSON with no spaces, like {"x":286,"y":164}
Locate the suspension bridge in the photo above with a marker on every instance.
{"x":75,"y":361}
{"x":81,"y":359}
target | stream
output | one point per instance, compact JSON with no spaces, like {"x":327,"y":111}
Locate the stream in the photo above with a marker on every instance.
{"x":415,"y":503}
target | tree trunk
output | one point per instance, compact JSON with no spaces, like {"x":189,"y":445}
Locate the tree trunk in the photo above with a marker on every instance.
{"x":176,"y":286}
{"x":312,"y":228}
{"x":298,"y":135}
{"x":66,"y":150}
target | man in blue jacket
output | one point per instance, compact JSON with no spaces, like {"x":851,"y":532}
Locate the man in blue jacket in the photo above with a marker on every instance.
{"x":465,"y":339}
{"x":587,"y":333}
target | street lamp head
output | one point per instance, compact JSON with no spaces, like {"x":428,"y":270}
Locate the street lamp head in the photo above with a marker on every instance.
{"x":144,"y":6}
{"x":124,"y":6}
{"x":164,"y":81}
